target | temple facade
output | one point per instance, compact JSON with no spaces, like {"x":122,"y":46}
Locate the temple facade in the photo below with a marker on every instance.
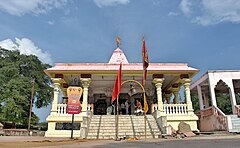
{"x":162,"y":87}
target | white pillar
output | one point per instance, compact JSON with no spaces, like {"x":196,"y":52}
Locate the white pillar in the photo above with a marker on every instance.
{"x":212,"y":89}
{"x":56,"y":83}
{"x":232,"y":95}
{"x":85,"y":83}
{"x":200,"y":98}
{"x":158,"y":83}
{"x":186,"y":83}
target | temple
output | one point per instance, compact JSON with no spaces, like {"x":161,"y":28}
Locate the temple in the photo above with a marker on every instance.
{"x":162,"y":86}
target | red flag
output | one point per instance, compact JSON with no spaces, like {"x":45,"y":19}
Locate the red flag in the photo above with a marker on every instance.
{"x":145,"y":66}
{"x":117,"y":85}
{"x":145,"y":59}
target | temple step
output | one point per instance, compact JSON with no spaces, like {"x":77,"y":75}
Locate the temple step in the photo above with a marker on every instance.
{"x":104,"y":127}
{"x":235,"y":124}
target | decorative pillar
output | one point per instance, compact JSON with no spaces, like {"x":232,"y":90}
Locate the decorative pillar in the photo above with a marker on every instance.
{"x":56,"y":83}
{"x":85,"y":83}
{"x":158,"y":83}
{"x":186,"y":83}
{"x":175,"y":91}
{"x":200,"y":98}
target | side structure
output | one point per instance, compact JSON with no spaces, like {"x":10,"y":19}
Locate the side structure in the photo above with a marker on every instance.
{"x":211,"y":85}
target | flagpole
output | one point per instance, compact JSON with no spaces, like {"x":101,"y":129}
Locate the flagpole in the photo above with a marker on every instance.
{"x":115,"y":95}
{"x":143,"y":83}
{"x":145,"y":117}
{"x":116,"y":119}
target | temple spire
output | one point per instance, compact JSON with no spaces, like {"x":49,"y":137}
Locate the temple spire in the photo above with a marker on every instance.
{"x":118,"y":57}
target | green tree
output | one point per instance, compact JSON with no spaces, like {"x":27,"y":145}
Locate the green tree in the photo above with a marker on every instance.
{"x":195,"y":102}
{"x":16,"y":74}
{"x":224,"y":103}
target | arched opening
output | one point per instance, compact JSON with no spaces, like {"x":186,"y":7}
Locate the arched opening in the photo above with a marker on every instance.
{"x":223,"y":97}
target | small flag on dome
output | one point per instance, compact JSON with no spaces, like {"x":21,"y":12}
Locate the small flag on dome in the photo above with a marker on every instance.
{"x":118,"y":41}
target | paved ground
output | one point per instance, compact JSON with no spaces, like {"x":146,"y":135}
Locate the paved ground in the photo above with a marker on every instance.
{"x":207,"y":141}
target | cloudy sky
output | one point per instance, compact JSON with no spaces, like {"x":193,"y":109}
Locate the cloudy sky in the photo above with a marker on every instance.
{"x":203,"y":33}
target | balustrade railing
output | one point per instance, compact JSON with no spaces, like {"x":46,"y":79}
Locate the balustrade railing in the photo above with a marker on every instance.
{"x":221,"y":117}
{"x":206,"y":112}
{"x":62,"y":108}
{"x":90,"y":107}
{"x":154,"y":107}
{"x":175,"y":109}
{"x":237,"y":108}
{"x":172,"y":109}
{"x":218,"y":114}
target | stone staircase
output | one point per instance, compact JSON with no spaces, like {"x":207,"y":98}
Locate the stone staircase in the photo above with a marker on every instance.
{"x":235,"y":123}
{"x":104,"y":127}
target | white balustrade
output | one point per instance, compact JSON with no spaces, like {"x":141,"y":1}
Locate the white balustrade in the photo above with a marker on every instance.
{"x":62,"y":108}
{"x":172,"y":109}
{"x":154,"y":107}
{"x":90,"y":107}
{"x":175,"y":109}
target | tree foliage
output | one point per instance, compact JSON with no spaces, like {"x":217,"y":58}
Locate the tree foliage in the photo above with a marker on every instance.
{"x":195,"y":102}
{"x":224,"y":102}
{"x":16,"y":74}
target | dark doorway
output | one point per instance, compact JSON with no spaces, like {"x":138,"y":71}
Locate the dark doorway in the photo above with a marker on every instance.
{"x":100,"y":107}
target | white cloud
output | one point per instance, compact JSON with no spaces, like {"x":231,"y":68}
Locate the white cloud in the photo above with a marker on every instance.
{"x":21,"y":7}
{"x":185,"y":7}
{"x":103,"y":3}
{"x":210,"y":12}
{"x":217,"y":11}
{"x":26,"y":46}
{"x":51,"y":22}
{"x":173,"y":14}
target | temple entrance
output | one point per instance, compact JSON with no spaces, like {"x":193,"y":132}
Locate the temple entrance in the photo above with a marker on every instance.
{"x":127,"y":104}
{"x":100,"y":107}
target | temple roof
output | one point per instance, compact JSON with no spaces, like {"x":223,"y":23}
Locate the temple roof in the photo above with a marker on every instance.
{"x":112,"y":66}
{"x":117,"y":57}
{"x":128,"y":67}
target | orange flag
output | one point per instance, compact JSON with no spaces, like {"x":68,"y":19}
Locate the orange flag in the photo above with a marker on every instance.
{"x":118,"y":41}
{"x":145,"y":103}
{"x":117,"y":85}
